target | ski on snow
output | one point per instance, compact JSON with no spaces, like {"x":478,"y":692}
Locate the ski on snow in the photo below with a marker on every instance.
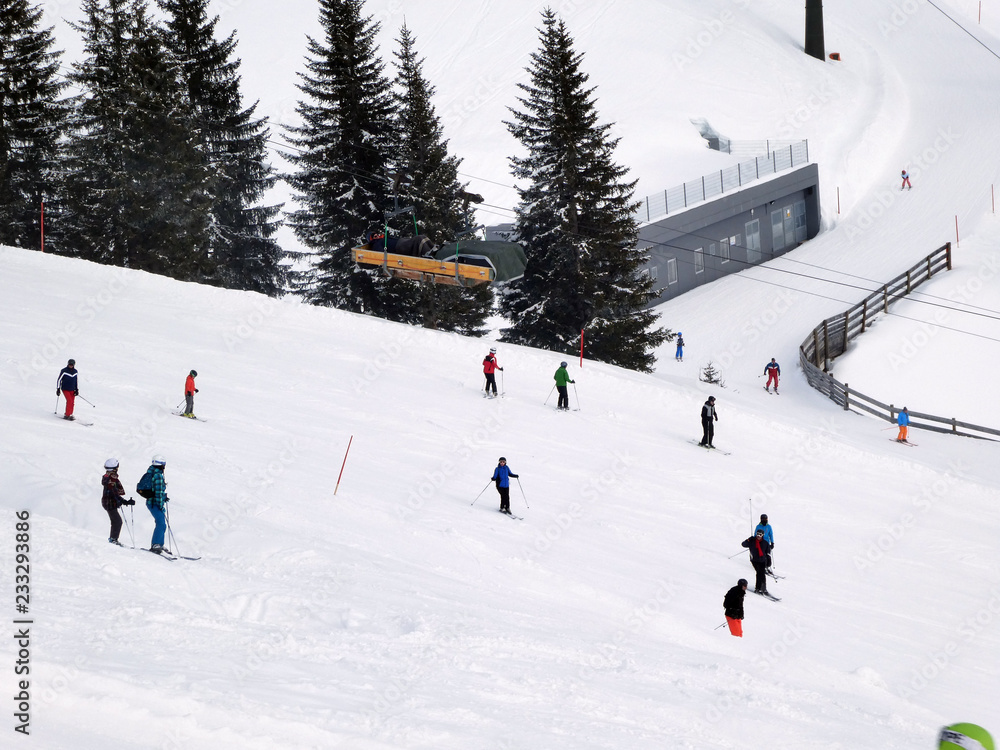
{"x":181,"y":414}
{"x":775,"y":576}
{"x":164,"y":555}
{"x":767,"y":595}
{"x":711,"y":447}
{"x":904,"y":442}
{"x":511,"y":515}
{"x":75,"y":419}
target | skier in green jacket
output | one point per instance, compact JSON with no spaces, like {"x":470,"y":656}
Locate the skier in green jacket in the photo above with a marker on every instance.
{"x":562,"y":378}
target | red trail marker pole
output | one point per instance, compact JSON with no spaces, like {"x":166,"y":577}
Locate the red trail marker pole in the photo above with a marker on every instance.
{"x":581,"y":347}
{"x":343,"y":464}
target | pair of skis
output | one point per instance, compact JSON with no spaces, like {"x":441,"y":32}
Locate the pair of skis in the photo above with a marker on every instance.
{"x":169,"y":556}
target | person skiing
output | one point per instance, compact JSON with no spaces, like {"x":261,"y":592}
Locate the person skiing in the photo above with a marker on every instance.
{"x":766,"y":528}
{"x":772,"y":370}
{"x":679,"y":354}
{"x":906,"y":181}
{"x":903,"y":420}
{"x":502,"y":475}
{"x":562,"y":378}
{"x":111,"y":500}
{"x":733,"y":603}
{"x":760,"y":558}
{"x":68,"y":386}
{"x":490,"y":367}
{"x":189,"y":391}
{"x":157,"y":504}
{"x":708,"y":418}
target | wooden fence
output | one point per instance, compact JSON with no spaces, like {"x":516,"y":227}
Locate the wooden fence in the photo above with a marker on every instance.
{"x":830,"y":338}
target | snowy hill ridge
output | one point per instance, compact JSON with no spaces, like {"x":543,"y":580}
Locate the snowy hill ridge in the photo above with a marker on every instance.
{"x":399,"y":614}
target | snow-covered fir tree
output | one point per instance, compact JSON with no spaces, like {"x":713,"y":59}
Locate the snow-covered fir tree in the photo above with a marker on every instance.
{"x":234,"y":147}
{"x":426,"y":177}
{"x":342,"y":154}
{"x":575,"y":221}
{"x":32,"y":119}
{"x":137,"y":188}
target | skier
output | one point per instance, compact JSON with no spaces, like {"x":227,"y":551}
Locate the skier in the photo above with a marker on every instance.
{"x":157,"y":504}
{"x":906,"y":181}
{"x":502,"y":475}
{"x":708,"y":418}
{"x":734,"y":607}
{"x":766,"y":528}
{"x":760,"y":558}
{"x":67,"y":385}
{"x":903,"y":420}
{"x":679,"y":355}
{"x":489,"y":369}
{"x":111,"y":500}
{"x":562,"y":378}
{"x":189,"y":391}
{"x":772,"y":370}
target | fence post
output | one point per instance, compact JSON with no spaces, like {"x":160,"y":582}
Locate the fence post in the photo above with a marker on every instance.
{"x":885,"y":298}
{"x":816,"y":347}
{"x":954,"y":426}
{"x":847,"y":397}
{"x":947,"y":252}
{"x":929,"y":273}
{"x":826,"y":345}
{"x":908,"y":289}
{"x":864,"y":315}
{"x":847,"y":325}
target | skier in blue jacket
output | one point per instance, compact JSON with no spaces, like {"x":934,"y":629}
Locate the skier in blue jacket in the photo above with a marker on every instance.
{"x":903,"y":420}
{"x":766,"y":528}
{"x":502,"y":475}
{"x":157,"y":504}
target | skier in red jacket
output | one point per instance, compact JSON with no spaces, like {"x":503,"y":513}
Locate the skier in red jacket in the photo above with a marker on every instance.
{"x":189,"y":391}
{"x":489,"y":368}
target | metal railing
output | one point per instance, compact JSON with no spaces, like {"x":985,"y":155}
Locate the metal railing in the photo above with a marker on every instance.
{"x":830,"y":338}
{"x":682,"y":196}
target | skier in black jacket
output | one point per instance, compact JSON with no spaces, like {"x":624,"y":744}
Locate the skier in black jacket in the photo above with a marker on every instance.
{"x":708,"y":420}
{"x":734,"y":607}
{"x":760,"y":558}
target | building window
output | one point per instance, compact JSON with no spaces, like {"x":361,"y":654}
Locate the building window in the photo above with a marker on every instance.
{"x":753,"y":241}
{"x":699,"y":260}
{"x":650,"y":272}
{"x":671,"y":270}
{"x":800,"y":221}
{"x":778,"y":230}
{"x":711,"y":249}
{"x":724,"y":246}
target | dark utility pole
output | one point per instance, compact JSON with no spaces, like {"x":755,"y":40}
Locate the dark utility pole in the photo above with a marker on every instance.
{"x":815,"y":46}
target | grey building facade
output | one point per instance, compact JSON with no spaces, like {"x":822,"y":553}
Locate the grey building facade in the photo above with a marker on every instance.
{"x":732,"y":232}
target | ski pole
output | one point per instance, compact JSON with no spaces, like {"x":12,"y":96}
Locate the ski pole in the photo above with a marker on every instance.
{"x":722,"y":625}
{"x":57,"y":404}
{"x":549,"y":396}
{"x":170,"y":531}
{"x":180,"y":404}
{"x":481,"y":493}
{"x":503,"y":390}
{"x":131,"y":526}
{"x":577,"y":396}
{"x":738,"y":553}
{"x":522,"y":493}
{"x":83,"y":399}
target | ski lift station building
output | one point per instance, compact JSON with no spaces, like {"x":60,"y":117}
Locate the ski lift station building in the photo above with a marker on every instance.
{"x":730,"y":220}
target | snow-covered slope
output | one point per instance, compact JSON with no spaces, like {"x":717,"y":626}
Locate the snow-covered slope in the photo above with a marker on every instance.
{"x":396,"y":614}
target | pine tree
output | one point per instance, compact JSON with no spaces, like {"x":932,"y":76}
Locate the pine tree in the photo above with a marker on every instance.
{"x":137,"y":191}
{"x":426,"y":177}
{"x":575,"y":220}
{"x":343,"y":153}
{"x":234,"y":148}
{"x":32,"y":121}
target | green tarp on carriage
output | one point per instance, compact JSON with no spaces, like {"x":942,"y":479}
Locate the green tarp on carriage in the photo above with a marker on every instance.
{"x":507,"y":258}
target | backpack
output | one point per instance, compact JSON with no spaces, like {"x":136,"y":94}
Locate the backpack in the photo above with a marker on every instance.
{"x":145,"y":485}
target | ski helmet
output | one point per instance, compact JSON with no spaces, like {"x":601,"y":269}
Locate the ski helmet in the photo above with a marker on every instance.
{"x":742,"y":582}
{"x":563,"y":364}
{"x":679,"y":333}
{"x":111,"y":463}
{"x":71,"y":363}
{"x":194,"y":373}
{"x":763,"y":517}
{"x":712,"y":399}
{"x":965,"y":736}
{"x":502,"y":459}
{"x":159,"y":460}
{"x":493,"y":350}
